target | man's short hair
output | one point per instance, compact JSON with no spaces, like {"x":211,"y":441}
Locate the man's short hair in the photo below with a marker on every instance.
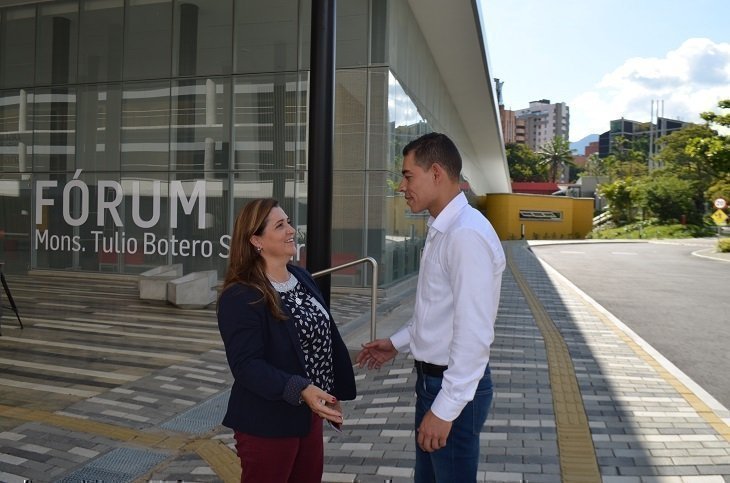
{"x":436,"y":148}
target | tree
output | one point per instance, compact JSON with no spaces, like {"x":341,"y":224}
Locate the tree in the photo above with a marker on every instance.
{"x":634,"y":150}
{"x":667,"y":198}
{"x":620,"y":200}
{"x":698,"y":154}
{"x":524,"y":164}
{"x":627,"y":168}
{"x":721,"y":119}
{"x":627,"y":158}
{"x":556,"y":154}
{"x":595,"y":166}
{"x":719,"y":189}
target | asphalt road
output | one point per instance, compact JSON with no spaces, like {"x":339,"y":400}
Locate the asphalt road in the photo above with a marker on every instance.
{"x":677,"y":302}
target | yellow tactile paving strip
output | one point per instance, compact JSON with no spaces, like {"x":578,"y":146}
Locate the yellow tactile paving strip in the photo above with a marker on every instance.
{"x":218,"y":456}
{"x":702,"y":409}
{"x":577,"y":455}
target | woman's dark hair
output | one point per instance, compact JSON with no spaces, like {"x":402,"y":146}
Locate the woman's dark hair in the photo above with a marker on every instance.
{"x":245,"y":264}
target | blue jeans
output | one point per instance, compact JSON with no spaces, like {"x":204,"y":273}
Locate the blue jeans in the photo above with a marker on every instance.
{"x":459,"y":459}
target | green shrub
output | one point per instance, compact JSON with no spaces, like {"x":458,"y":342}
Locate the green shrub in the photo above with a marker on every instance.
{"x":723,"y":245}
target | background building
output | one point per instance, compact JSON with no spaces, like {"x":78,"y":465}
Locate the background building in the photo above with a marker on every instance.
{"x":513,"y":129}
{"x":544,"y":121}
{"x":132,"y":131}
{"x":636,"y":135}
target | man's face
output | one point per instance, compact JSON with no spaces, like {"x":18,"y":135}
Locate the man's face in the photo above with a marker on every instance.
{"x":418,"y":185}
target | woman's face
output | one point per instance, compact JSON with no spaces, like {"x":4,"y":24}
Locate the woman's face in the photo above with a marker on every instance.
{"x":277,"y":241}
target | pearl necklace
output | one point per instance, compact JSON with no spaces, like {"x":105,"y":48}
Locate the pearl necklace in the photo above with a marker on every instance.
{"x":283,"y":287}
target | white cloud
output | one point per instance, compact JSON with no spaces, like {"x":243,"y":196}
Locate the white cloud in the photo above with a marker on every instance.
{"x":690,"y":79}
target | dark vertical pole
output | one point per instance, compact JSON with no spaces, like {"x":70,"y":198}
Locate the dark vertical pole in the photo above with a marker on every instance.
{"x":321,"y":139}
{"x":187,"y":56}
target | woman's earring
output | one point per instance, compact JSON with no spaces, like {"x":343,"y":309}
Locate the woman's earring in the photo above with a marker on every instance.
{"x":258,"y":249}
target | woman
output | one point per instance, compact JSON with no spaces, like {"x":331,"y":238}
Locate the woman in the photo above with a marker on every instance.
{"x":290,"y":365}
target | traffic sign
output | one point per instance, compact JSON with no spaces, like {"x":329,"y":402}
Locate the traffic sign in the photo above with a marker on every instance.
{"x":719,"y":217}
{"x":720,"y":203}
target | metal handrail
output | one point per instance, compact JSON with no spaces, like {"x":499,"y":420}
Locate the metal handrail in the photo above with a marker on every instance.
{"x":373,"y":292}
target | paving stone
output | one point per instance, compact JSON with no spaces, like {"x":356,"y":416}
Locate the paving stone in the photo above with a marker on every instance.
{"x":643,"y":430}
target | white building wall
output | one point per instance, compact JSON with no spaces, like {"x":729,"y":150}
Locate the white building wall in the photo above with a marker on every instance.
{"x":544,"y":121}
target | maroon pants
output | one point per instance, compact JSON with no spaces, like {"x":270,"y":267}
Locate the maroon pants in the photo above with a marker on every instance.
{"x":282,"y":460}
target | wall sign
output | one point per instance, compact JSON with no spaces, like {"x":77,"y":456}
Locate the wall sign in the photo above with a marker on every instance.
{"x":541,"y":215}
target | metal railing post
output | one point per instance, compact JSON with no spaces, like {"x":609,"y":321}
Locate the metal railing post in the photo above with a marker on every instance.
{"x":373,"y":292}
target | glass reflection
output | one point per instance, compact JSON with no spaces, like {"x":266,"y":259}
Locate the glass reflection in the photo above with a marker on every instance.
{"x":15,"y":131}
{"x":266,"y":36}
{"x":98,"y":132}
{"x":146,"y":126}
{"x":202,"y":37}
{"x":15,"y":248}
{"x":199,"y":241}
{"x":54,"y":128}
{"x":100,"y":45}
{"x":269,"y":123}
{"x":17,"y":47}
{"x":147,"y":39}
{"x":57,"y":44}
{"x":200,"y":124}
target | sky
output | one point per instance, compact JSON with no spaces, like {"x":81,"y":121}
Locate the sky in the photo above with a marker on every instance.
{"x":610,"y":59}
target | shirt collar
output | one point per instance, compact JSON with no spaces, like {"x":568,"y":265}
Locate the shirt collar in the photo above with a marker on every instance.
{"x":448,"y":214}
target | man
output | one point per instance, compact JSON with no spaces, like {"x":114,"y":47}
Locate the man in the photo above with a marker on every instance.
{"x":452,"y":326}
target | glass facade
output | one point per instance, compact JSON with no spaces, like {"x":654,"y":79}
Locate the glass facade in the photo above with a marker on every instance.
{"x":132,"y":131}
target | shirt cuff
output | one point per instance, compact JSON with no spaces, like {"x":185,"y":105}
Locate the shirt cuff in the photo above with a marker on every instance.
{"x":446,"y":409}
{"x":401,"y":340}
{"x":293,"y":389}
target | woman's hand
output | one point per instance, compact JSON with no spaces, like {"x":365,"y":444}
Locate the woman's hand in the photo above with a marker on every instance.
{"x":322,"y":404}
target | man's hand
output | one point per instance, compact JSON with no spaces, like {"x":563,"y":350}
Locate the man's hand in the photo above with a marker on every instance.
{"x":376,"y":353}
{"x":433,"y":432}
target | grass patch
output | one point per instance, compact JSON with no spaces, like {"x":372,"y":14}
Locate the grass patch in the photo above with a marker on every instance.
{"x":649,"y":230}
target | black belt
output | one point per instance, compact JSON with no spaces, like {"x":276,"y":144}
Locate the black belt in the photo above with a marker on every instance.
{"x":430,"y":369}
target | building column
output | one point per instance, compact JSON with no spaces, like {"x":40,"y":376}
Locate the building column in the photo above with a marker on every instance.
{"x":321,"y":140}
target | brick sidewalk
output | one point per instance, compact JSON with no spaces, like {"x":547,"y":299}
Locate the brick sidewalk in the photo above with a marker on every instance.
{"x":151,"y":410}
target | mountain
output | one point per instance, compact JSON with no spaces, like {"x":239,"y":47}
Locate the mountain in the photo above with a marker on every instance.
{"x":579,"y":147}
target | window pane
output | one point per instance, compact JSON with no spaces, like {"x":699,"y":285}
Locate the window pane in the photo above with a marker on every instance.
{"x":98,"y":127}
{"x":15,"y":133}
{"x":379,"y":128}
{"x":15,"y":191}
{"x":202,"y":38}
{"x":17,"y":47}
{"x":54,"y":129}
{"x":100,"y":48}
{"x":198,"y":242}
{"x":269,"y":129}
{"x":350,"y":115}
{"x":200,"y":124}
{"x":53,"y":238}
{"x":348,"y":226}
{"x":57,"y":43}
{"x":379,"y":31}
{"x":146,"y":126}
{"x":352,"y":33}
{"x":147,"y":222}
{"x":266,"y":35}
{"x":147,"y":39}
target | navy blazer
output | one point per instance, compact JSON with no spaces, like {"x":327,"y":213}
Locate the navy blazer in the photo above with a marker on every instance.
{"x":263,"y":353}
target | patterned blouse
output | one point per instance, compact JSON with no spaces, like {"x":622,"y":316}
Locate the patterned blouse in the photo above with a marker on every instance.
{"x":313,"y":325}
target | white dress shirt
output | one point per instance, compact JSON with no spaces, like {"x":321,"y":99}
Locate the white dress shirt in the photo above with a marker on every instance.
{"x":456,"y":303}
